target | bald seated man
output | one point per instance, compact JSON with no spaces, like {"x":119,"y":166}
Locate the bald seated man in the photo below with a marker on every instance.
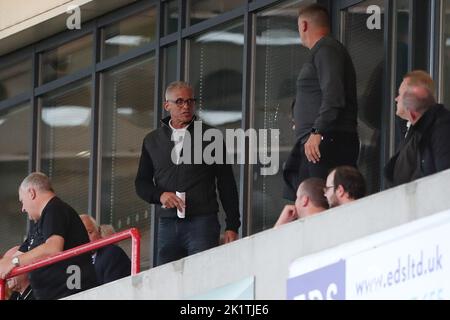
{"x":310,"y":200}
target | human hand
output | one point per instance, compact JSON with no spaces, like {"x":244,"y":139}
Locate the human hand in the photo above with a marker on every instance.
{"x":312,"y":150}
{"x":170,"y":200}
{"x":288,"y":214}
{"x":230,"y":236}
{"x":5,"y":267}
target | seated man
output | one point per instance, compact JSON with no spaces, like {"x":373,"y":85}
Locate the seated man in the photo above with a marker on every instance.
{"x":310,"y":200}
{"x":344,"y":184}
{"x":111,"y":262}
{"x":20,"y":285}
{"x":56,"y":227}
{"x":425,"y":149}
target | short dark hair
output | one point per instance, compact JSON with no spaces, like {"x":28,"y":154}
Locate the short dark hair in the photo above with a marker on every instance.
{"x":313,"y":189}
{"x":351,"y":180}
{"x":317,"y":13}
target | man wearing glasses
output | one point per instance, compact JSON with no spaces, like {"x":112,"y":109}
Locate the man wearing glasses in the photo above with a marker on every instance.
{"x":344,"y":184}
{"x":185,"y":192}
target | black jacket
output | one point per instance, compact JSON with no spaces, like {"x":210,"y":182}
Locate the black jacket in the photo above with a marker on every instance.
{"x":157,"y":174}
{"x":111,"y":263}
{"x":425,"y":150}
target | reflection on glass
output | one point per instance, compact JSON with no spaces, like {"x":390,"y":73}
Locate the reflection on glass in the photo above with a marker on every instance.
{"x":215,"y":72}
{"x":127,"y":116}
{"x":15,"y":79}
{"x":130,"y":33}
{"x":366,"y":48}
{"x":65,"y":142}
{"x":170,"y":17}
{"x":402,"y":59}
{"x":279,"y":57}
{"x":66,"y":59}
{"x":169,"y":61}
{"x":169,"y":65}
{"x":446,"y":51}
{"x":200,"y":10}
{"x":15,"y":126}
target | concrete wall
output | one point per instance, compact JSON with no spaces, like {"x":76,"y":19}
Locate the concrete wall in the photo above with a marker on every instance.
{"x":267,"y":255}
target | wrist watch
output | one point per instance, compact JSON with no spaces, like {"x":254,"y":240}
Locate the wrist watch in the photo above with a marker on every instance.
{"x":315,"y":131}
{"x":15,"y":261}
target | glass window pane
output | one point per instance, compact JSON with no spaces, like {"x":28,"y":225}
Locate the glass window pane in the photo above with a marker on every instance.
{"x":130,"y":33}
{"x":402,"y":59}
{"x":446,"y":51}
{"x":366,"y":48}
{"x":279,"y":58}
{"x":200,"y":10}
{"x":15,"y":79}
{"x":65,"y":142}
{"x":127,"y":104}
{"x":169,"y":66}
{"x":215,"y":72}
{"x":14,"y":157}
{"x":171,"y":15}
{"x":66,"y":59}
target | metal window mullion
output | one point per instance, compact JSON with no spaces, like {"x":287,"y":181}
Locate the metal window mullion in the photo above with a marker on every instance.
{"x":248,"y":117}
{"x":94,"y":192}
{"x":35,"y":163}
{"x":388,"y":112}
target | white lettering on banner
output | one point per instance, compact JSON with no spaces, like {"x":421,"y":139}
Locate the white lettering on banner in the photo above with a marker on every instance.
{"x":406,"y":262}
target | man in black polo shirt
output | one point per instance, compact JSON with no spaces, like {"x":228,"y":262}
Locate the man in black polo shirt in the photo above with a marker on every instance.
{"x":55,"y":227}
{"x":325,"y":110}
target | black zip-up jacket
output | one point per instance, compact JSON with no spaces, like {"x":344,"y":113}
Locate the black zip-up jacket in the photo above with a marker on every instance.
{"x":425,"y":150}
{"x":158,"y":174}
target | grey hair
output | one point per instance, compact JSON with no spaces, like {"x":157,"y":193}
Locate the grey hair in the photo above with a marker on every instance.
{"x":177,"y":85}
{"x":38,"y":181}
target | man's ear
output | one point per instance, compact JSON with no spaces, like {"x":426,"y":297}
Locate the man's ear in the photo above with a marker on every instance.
{"x":304,"y":26}
{"x":340,"y":192}
{"x":166,"y":106}
{"x":304,"y":201}
{"x":32,"y":193}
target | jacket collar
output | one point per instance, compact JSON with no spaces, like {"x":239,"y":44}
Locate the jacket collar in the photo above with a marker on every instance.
{"x":427,"y":119}
{"x":166,"y":120}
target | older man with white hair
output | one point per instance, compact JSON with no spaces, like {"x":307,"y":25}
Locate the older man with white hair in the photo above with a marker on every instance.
{"x":111,"y":262}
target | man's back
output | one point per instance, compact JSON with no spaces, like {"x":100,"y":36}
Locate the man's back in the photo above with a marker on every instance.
{"x":326,"y":90}
{"x":111,"y":263}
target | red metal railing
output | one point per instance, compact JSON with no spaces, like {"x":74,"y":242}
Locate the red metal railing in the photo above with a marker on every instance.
{"x":132,"y":233}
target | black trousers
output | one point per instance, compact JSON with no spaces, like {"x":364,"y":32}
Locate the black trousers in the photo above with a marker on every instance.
{"x":336,"y":149}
